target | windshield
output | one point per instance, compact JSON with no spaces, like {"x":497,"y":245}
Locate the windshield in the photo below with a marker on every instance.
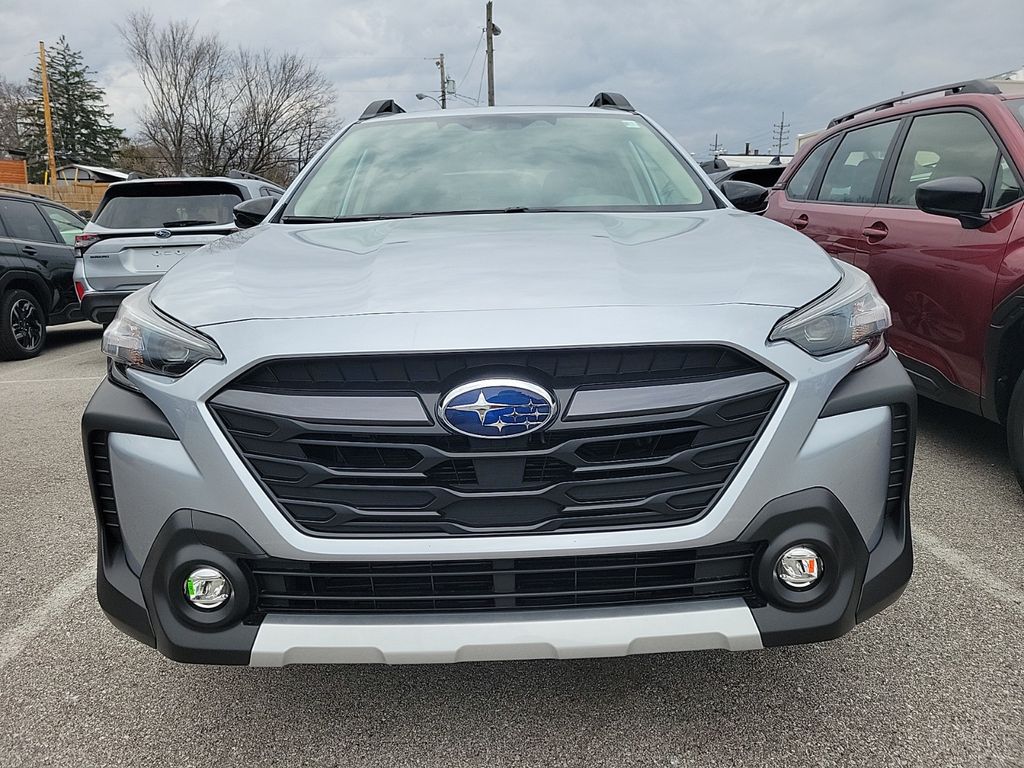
{"x":1017,"y":107}
{"x":168,"y":205}
{"x":497,"y":162}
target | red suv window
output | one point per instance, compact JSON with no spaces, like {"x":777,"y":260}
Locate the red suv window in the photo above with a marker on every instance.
{"x":799,"y":186}
{"x":939,"y":146}
{"x":853,"y":173}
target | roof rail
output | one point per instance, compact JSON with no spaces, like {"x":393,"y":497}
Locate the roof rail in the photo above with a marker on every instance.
{"x":380,"y":108}
{"x":612,"y":101}
{"x":236,"y":174}
{"x":23,"y":192}
{"x":967,"y":86}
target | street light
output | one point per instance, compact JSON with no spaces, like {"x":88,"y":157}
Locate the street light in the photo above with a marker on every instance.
{"x":467,"y":99}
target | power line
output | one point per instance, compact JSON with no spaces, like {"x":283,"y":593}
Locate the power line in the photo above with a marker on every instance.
{"x":780,"y":133}
{"x":480,"y":87}
{"x":478,"y":42}
{"x":715,"y":149}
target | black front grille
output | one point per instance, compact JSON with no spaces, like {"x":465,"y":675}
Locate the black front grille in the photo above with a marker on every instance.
{"x":103,"y":484}
{"x":598,"y":474}
{"x":556,"y":367}
{"x":509,"y":584}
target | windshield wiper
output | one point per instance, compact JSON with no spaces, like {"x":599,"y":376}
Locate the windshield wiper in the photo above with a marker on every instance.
{"x":334,"y":219}
{"x":306,"y":219}
{"x":486,"y":211}
{"x":188,"y":223}
{"x":413,"y":215}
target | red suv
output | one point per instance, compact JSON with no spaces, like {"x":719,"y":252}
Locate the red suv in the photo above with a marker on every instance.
{"x":925,"y":193}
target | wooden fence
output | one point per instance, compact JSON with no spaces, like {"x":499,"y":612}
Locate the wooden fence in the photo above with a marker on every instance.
{"x":76,"y":196}
{"x":13,"y":172}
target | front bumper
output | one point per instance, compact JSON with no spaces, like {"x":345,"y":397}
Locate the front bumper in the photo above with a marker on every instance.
{"x":724,"y":624}
{"x":101,"y":306}
{"x":828,"y":498}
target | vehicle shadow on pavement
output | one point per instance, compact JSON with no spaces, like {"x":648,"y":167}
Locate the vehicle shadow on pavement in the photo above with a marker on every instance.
{"x":973,"y":434}
{"x":68,"y":335}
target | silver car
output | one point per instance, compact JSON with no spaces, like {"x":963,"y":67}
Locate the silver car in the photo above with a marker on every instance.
{"x":495,"y":384}
{"x":144,"y":227}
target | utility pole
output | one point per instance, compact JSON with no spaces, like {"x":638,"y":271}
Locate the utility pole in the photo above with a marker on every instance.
{"x":780,"y":133}
{"x":444,"y":82}
{"x":715,"y":148}
{"x":493,"y":30}
{"x":51,"y":159}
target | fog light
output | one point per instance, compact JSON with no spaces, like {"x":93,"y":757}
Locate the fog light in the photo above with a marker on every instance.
{"x":799,"y":568}
{"x":207,"y":588}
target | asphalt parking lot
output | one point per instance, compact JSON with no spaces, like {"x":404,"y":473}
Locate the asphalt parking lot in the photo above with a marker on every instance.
{"x":937,"y":680}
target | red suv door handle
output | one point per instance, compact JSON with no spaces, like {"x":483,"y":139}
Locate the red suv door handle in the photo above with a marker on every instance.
{"x":801,"y":221}
{"x":875,"y":232}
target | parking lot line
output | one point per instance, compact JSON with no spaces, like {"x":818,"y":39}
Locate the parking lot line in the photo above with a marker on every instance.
{"x":968,"y":568}
{"x":47,"y":359}
{"x":47,"y":381}
{"x":14,"y":640}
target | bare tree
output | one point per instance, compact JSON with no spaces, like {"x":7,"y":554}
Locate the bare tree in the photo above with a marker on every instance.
{"x":287,"y":109}
{"x":13,"y":102}
{"x":212,"y":109}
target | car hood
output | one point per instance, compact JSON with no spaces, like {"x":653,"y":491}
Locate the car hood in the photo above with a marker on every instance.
{"x":496,"y":262}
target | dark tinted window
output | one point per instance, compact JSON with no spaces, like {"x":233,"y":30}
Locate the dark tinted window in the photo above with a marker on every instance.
{"x":1017,"y":107}
{"x":854,"y":170}
{"x":766,"y":177}
{"x":168,"y":205}
{"x":800,"y":183}
{"x":940,"y":146}
{"x":23,"y":221}
{"x":68,"y":224}
{"x":1007,"y":188}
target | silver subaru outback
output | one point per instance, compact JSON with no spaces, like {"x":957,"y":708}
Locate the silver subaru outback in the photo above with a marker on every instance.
{"x":500,"y":384}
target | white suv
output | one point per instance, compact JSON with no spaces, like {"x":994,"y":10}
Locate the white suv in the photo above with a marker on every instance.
{"x":144,"y":227}
{"x":500,"y":384}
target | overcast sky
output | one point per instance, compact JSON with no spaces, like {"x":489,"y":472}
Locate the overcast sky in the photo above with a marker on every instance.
{"x":695,"y":67}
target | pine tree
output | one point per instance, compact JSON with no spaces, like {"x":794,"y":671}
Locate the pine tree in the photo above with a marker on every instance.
{"x":82,"y":127}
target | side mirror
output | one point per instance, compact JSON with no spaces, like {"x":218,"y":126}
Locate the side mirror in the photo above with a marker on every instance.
{"x":249,"y":213}
{"x":752,"y":198}
{"x":958,"y":197}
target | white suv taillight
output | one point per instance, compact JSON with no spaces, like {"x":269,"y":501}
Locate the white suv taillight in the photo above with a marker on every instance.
{"x":83,"y":241}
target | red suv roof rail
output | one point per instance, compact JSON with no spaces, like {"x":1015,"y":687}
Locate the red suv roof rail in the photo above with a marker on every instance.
{"x":967,"y":86}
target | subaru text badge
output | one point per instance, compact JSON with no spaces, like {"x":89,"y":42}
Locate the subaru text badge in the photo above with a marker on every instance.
{"x":496,"y":408}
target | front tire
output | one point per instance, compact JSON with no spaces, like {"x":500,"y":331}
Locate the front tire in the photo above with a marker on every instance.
{"x":1015,"y":430}
{"x":22,"y":325}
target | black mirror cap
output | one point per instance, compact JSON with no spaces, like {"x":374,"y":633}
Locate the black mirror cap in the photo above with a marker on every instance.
{"x":752,"y":198}
{"x":958,"y":197}
{"x":250,"y":213}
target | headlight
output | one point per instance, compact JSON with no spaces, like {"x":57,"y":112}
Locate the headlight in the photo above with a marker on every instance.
{"x":851,"y":314}
{"x":142,"y":338}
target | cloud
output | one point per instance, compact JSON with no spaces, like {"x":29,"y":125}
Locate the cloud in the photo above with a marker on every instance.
{"x":696,"y":68}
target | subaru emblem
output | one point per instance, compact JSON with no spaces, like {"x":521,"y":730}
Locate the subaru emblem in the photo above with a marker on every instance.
{"x":496,"y":408}
{"x":162,"y":233}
